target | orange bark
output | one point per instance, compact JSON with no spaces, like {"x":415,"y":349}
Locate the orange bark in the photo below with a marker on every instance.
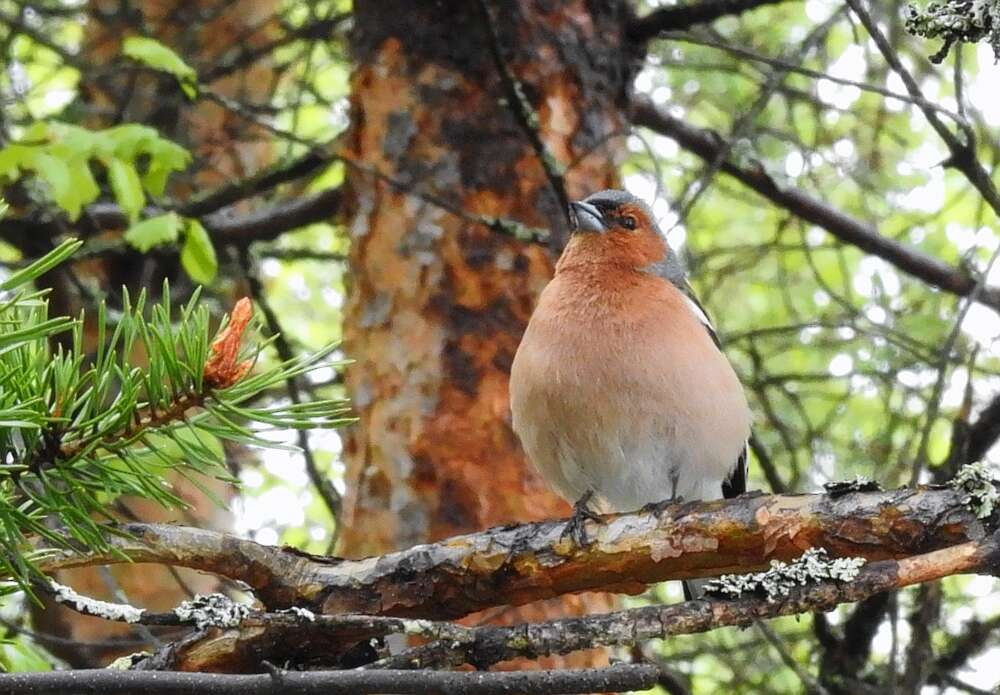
{"x":438,"y":302}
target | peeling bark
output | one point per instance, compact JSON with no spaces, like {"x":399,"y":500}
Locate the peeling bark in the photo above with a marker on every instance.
{"x":437,"y":303}
{"x":517,"y":564}
{"x":908,"y":536}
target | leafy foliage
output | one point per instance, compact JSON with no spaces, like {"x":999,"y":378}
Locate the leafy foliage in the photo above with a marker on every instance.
{"x":157,"y":56}
{"x":61,"y":156}
{"x":198,"y":254}
{"x":154,"y":231}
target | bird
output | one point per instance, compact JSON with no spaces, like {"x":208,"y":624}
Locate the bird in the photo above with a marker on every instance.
{"x":619,"y":389}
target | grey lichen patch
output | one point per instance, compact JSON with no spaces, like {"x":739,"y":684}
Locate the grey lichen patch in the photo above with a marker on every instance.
{"x":119,"y":612}
{"x":427,"y":628}
{"x":858,"y":484}
{"x":299,"y":612}
{"x":125,"y":663}
{"x":212,"y":610}
{"x":957,"y":20}
{"x":377,"y":310}
{"x":514,"y":229}
{"x":530,"y":115}
{"x":776,"y":583}
{"x":400,"y":129}
{"x":978,"y":482}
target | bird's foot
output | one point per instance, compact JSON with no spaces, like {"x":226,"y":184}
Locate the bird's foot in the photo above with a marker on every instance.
{"x":657,"y":508}
{"x":576,"y":527}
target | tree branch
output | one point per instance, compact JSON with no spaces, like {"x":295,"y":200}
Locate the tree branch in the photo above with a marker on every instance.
{"x":523,"y":563}
{"x":707,"y":144}
{"x":489,"y":645}
{"x":231,"y":193}
{"x":494,"y":644}
{"x":908,"y":535}
{"x":962,"y":153}
{"x":687,"y":15}
{"x":225,"y":229}
{"x":321,"y":482}
{"x":527,"y":121}
{"x":619,"y":677}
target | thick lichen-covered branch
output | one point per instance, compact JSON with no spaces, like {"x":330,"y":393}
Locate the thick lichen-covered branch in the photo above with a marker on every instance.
{"x":812,"y":592}
{"x":903,"y":536}
{"x":519,"y":564}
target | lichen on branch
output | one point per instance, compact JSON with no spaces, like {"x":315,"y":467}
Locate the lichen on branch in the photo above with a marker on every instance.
{"x":776,"y":583}
{"x":969,"y":21}
{"x":978,"y":482}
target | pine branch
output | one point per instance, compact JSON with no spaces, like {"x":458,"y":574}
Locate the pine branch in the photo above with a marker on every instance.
{"x":157,"y":396}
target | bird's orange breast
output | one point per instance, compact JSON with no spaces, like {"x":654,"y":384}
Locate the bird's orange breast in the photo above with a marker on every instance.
{"x":616,"y":383}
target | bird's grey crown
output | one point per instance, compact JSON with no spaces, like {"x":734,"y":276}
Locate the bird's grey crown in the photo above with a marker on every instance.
{"x":612,"y":198}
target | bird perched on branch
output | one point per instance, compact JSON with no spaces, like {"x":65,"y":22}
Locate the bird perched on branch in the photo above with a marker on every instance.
{"x":619,"y":388}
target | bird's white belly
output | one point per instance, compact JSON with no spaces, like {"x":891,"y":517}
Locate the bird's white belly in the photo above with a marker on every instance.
{"x":642,"y":458}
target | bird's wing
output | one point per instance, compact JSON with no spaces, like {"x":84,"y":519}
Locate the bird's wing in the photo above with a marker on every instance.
{"x":736,"y":484}
{"x":699,"y":311}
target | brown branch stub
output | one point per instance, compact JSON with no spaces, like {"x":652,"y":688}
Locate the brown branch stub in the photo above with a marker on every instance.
{"x":222,"y":369}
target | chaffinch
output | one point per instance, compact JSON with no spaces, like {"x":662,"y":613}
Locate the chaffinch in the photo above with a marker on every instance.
{"x":619,"y":387}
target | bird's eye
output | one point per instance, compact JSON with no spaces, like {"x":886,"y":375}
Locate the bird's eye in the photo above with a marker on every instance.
{"x":628,"y":222}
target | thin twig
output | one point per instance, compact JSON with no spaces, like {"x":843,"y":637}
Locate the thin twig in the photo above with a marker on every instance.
{"x":618,"y":677}
{"x":323,"y":485}
{"x":527,"y":119}
{"x":962,"y":154}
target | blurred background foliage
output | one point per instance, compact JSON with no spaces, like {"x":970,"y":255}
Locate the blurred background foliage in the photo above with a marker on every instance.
{"x":852,"y":366}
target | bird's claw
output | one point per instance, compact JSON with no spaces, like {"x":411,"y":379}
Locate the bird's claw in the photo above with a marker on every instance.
{"x":576,"y":527}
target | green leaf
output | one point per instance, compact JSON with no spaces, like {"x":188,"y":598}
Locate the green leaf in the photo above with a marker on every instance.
{"x":165,"y":157}
{"x":198,"y":254}
{"x":54,"y":172}
{"x":157,"y":56}
{"x":129,"y":140}
{"x":83,"y":184}
{"x":13,"y":158}
{"x":155,"y":231}
{"x":127,"y":187}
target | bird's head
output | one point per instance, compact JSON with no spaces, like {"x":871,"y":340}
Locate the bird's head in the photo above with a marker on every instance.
{"x":615,"y":227}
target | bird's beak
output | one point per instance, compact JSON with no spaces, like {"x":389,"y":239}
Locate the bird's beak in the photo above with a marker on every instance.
{"x":586,"y":218}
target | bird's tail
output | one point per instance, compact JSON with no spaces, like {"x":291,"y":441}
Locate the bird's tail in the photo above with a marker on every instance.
{"x":694,"y":588}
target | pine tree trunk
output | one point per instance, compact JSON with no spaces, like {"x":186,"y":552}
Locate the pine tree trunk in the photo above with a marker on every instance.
{"x":438,"y":303}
